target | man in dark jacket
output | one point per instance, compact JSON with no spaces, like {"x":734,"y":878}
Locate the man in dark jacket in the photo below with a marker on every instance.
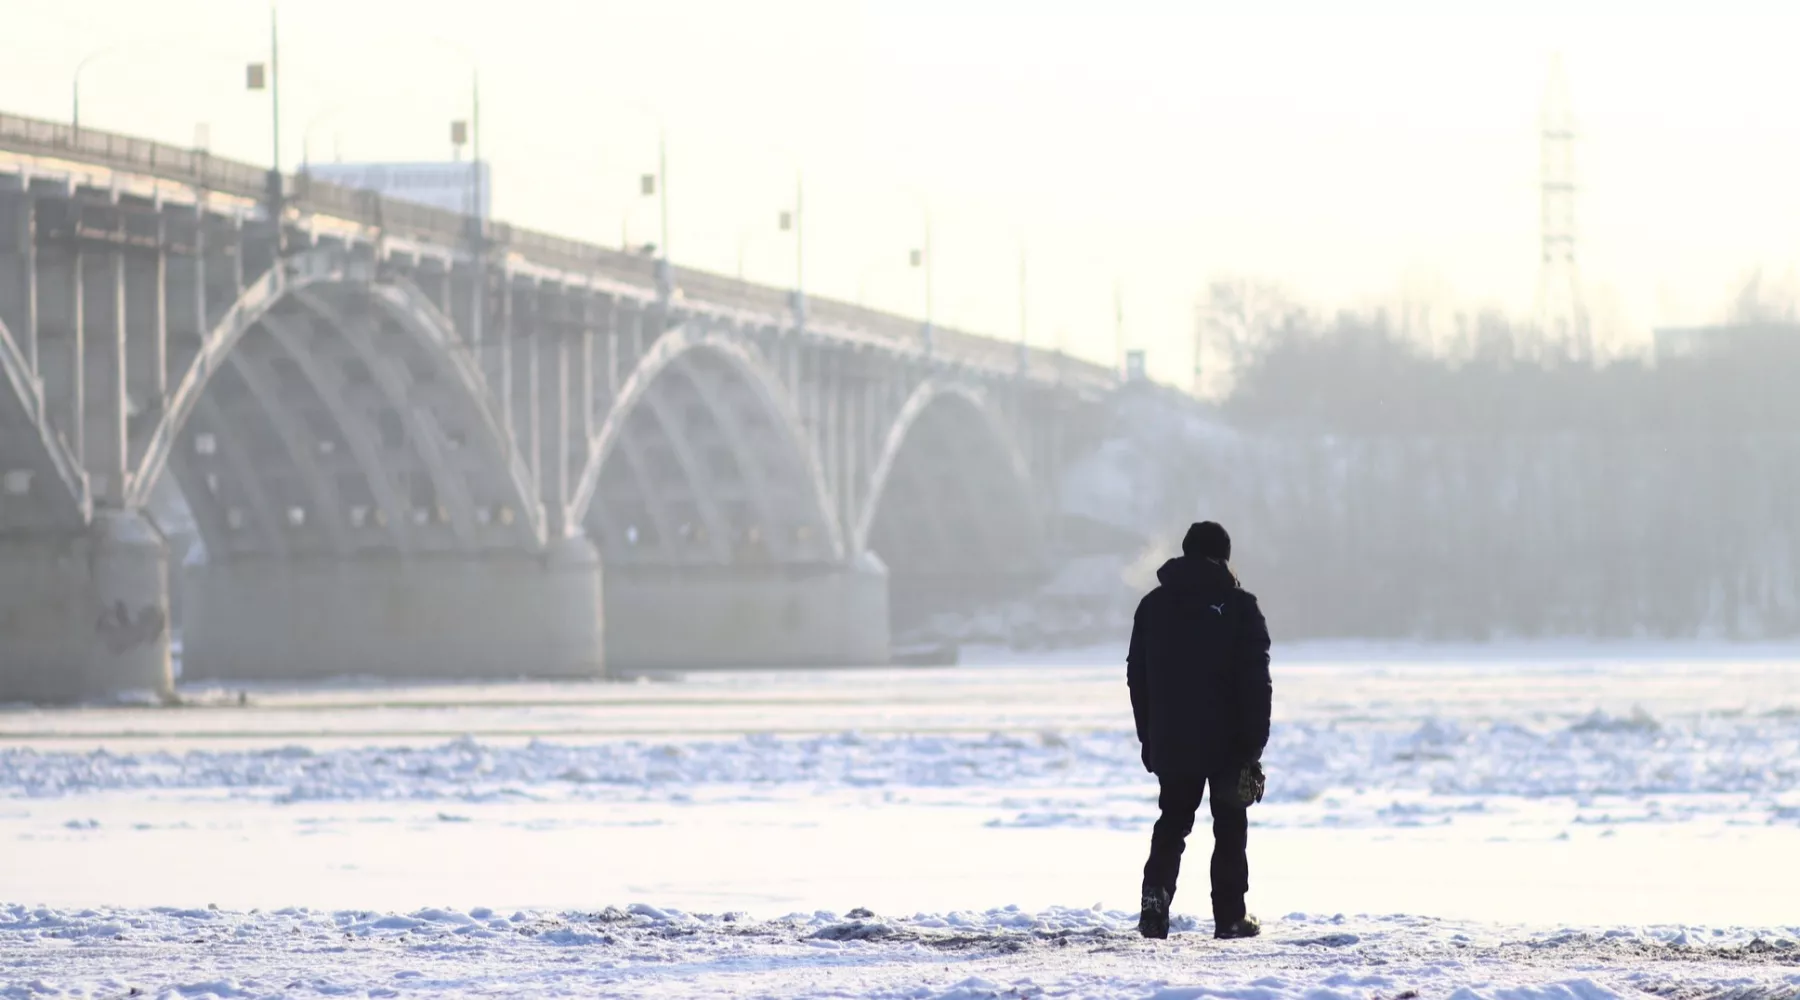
{"x":1199,"y":676}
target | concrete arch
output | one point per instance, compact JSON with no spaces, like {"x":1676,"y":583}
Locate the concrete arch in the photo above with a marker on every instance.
{"x":934,"y":393}
{"x":687,"y":351}
{"x":211,"y":515}
{"x":354,"y":427}
{"x":325,"y":509}
{"x":693,"y":469}
{"x":657,"y":511}
{"x":438,"y":346}
{"x":71,"y":504}
{"x":437,"y":335}
{"x":287,"y":277}
{"x":310,"y":294}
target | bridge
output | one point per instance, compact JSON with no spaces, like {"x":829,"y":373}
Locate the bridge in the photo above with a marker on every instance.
{"x":417,"y":443}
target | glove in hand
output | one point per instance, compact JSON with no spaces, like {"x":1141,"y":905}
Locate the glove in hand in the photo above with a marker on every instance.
{"x":1251,"y":784}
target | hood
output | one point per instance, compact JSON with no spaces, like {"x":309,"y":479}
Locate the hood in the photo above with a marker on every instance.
{"x":1188,"y":573}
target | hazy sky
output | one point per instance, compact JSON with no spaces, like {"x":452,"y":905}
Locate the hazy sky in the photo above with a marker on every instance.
{"x":1356,"y":159}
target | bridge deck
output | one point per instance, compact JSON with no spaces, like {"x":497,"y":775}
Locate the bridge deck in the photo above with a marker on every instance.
{"x":57,"y":148}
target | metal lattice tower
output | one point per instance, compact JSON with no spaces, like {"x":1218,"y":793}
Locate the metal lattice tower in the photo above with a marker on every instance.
{"x":1561,"y":316}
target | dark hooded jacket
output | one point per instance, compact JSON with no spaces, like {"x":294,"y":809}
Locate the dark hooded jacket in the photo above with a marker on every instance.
{"x":1199,"y":671}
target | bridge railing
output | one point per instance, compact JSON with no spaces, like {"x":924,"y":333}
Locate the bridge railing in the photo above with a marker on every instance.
{"x":203,"y":170}
{"x":121,"y":152}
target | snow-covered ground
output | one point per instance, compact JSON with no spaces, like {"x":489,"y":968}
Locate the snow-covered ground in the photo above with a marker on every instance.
{"x":1007,"y":952}
{"x":1569,"y":825}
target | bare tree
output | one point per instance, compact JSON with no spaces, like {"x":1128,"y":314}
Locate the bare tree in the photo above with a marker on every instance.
{"x":1232,"y":323}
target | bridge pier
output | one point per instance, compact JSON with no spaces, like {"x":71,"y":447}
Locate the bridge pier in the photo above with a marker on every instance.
{"x":85,"y":614}
{"x":772,"y":616}
{"x":492,"y":615}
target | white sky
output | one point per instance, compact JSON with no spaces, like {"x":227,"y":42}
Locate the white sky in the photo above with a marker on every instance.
{"x":1355,"y":159}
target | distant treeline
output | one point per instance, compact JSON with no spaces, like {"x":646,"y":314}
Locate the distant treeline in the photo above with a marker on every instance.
{"x":1382,"y":489}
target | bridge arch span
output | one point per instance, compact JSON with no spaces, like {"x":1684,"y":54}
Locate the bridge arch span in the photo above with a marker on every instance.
{"x":41,"y":483}
{"x":702,"y":460}
{"x":950,"y":499}
{"x":326,"y":413}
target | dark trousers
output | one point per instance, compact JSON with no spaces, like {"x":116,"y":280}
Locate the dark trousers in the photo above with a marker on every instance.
{"x":1180,"y":800}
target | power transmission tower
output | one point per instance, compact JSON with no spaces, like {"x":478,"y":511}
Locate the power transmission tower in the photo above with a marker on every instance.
{"x":1562,"y":318}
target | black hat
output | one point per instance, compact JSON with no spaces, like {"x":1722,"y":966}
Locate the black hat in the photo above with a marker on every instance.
{"x":1207,"y":540}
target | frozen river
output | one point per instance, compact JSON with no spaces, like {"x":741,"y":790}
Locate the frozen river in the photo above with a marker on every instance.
{"x":1555,"y":790}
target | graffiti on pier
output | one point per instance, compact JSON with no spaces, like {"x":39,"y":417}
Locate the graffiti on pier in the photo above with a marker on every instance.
{"x":122,"y":631}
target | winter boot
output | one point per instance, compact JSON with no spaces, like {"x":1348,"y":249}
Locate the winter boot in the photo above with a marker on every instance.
{"x":1153,"y":920}
{"x":1245,"y":926}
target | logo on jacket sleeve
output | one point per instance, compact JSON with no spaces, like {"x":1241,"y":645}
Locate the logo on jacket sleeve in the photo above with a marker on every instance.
{"x":1219,"y":609}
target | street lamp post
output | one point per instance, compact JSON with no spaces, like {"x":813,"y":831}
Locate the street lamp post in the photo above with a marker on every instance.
{"x":477,"y":214}
{"x":658,"y":184}
{"x":662,"y":188}
{"x":797,"y":222}
{"x":275,"y":97}
{"x":312,"y":126}
{"x":75,"y":87}
{"x":1024,"y":330}
{"x":1118,"y":360}
{"x":255,"y":78}
{"x":799,"y":237}
{"x":922,"y":258}
{"x":475,"y":200}
{"x":477,"y":217}
{"x":930,"y":266}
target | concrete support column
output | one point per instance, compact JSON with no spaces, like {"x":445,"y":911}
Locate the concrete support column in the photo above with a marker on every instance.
{"x":238,"y":248}
{"x":534,"y":397}
{"x":115,"y":463}
{"x":493,"y":615}
{"x":845,"y":403}
{"x":700,"y":617}
{"x":806,"y":377}
{"x":588,"y":398}
{"x":202,"y":320}
{"x":159,"y":316}
{"x":831,"y":427}
{"x":506,"y":360}
{"x":18,"y":273}
{"x":478,"y":291}
{"x":75,"y":431}
{"x":85,"y":615}
{"x":613,"y":375}
{"x":557,"y":496}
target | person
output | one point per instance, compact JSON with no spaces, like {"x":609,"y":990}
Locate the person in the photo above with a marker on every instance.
{"x":1198,"y":670}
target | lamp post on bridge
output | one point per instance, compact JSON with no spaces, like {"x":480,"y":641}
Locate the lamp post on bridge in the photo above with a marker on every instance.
{"x":662,"y":190}
{"x":75,"y":87}
{"x":794,"y":221}
{"x":657,"y":185}
{"x":478,"y":213}
{"x":311,"y":126}
{"x":476,"y":196}
{"x":470,"y":131}
{"x":922,"y":258}
{"x":1024,"y":330}
{"x":1118,"y":351}
{"x":258,"y":76}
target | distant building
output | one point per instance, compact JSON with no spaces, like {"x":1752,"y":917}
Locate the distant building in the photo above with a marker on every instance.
{"x":1691,"y":341}
{"x":450,"y":186}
